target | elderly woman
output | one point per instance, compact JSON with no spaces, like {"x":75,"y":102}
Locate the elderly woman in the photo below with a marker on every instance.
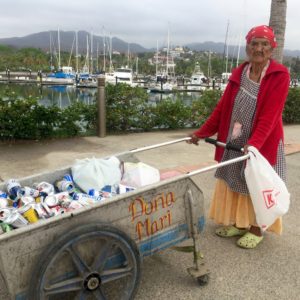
{"x":249,"y":113}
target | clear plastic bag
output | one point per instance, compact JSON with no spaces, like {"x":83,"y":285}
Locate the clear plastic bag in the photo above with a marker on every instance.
{"x":139,"y":174}
{"x":93,"y":173}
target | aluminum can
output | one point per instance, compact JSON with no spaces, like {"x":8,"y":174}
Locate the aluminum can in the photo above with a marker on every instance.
{"x":3,"y":202}
{"x":13,"y":186}
{"x":68,"y":177}
{"x":110,"y":190}
{"x":28,"y":191}
{"x":58,"y":210}
{"x":65,"y":186}
{"x":5,"y":213}
{"x":74,"y":205}
{"x":47,"y":209}
{"x":29,"y":213}
{"x":125,"y":189}
{"x":26,"y":200}
{"x":44,"y":187}
{"x":3,"y":195}
{"x":86,"y":199}
{"x":56,"y":199}
{"x":94,"y":193}
{"x":42,"y":213}
{"x":51,"y":201}
{"x":16,"y":220}
{"x":6,"y":227}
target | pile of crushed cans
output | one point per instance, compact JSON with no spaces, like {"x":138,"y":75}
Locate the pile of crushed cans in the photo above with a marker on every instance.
{"x":20,"y":206}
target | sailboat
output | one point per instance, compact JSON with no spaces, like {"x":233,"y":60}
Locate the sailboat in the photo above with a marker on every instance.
{"x":85,"y":78}
{"x":64,"y":75}
{"x":165,"y":74}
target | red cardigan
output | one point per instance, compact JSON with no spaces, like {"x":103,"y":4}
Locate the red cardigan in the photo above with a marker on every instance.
{"x":267,"y":128}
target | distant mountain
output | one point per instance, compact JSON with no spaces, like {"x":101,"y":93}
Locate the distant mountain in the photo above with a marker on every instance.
{"x":67,"y":39}
{"x":67,"y":43}
{"x":217,"y":48}
{"x":232,"y":50}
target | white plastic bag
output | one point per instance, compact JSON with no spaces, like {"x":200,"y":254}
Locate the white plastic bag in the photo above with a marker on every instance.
{"x":268,"y":191}
{"x":139,"y":174}
{"x":93,"y":173}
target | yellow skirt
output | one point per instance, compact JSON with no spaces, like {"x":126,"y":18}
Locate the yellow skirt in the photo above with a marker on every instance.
{"x":229,"y":208}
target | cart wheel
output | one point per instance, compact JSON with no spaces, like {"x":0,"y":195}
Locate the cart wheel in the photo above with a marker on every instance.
{"x":94,"y":261}
{"x":203,"y":280}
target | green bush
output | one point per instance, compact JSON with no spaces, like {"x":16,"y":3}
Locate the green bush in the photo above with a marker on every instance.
{"x":291,"y":113}
{"x":123,"y":104}
{"x":127,"y":109}
{"x":26,"y":119}
{"x":172,"y":114}
{"x":203,"y":107}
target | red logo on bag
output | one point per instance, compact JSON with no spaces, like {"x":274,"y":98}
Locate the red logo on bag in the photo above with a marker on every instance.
{"x":269,"y":198}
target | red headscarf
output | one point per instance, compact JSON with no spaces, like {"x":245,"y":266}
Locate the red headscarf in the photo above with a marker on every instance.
{"x":262,"y":31}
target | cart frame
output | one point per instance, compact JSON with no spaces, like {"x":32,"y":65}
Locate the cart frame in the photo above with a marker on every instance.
{"x":131,"y":226}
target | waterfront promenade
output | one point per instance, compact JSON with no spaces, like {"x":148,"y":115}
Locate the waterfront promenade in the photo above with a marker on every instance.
{"x":271,"y":271}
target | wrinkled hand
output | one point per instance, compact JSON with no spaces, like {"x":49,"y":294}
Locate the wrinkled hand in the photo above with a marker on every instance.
{"x":194,"y":139}
{"x":246,"y":148}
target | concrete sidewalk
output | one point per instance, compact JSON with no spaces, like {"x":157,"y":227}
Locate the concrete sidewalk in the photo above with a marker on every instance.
{"x":25,"y":158}
{"x":271,"y":271}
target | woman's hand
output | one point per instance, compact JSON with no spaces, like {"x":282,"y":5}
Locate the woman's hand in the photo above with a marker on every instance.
{"x":246,"y":148}
{"x":194,"y":139}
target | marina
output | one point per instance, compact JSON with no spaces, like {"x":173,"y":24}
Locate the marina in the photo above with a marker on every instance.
{"x":65,"y":95}
{"x":122,"y":75}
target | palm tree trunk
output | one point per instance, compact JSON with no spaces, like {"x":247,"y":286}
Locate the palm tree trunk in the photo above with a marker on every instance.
{"x":278,"y":23}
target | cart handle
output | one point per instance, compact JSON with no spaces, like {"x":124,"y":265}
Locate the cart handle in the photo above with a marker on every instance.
{"x":222,"y":164}
{"x":228,"y":146}
{"x":159,"y":145}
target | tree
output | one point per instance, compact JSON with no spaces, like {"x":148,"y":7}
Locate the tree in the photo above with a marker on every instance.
{"x":278,"y":23}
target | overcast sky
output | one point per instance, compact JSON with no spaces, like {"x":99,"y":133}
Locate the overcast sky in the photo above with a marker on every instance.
{"x":146,"y":22}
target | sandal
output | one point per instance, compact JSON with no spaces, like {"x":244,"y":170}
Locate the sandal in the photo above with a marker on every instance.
{"x":249,"y":240}
{"x":229,"y":231}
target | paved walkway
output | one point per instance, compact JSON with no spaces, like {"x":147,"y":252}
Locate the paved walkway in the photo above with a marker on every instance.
{"x":271,"y":271}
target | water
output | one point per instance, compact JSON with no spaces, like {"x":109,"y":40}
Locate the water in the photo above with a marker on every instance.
{"x":63,"y":96}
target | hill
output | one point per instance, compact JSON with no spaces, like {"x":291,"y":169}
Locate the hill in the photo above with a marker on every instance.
{"x":43,"y":40}
{"x":67,"y":43}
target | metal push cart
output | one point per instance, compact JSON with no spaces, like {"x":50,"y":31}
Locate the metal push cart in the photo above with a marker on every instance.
{"x":96,"y":252}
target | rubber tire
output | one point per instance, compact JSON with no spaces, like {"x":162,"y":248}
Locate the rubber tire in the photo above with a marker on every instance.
{"x":46,"y":257}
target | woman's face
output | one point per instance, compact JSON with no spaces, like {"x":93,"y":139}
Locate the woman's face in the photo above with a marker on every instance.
{"x":259,"y":51}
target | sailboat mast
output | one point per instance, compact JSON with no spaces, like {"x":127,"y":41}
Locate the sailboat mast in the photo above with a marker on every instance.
{"x":87,"y":54}
{"x":209,"y":65}
{"x":226,"y":62}
{"x":168,"y":47}
{"x":97,"y":62}
{"x":110,"y":55}
{"x":104,"y":49}
{"x":156,"y":65}
{"x":128,"y":59}
{"x":225,"y":45}
{"x":50,"y":49}
{"x":91,"y":58}
{"x":76,"y":46}
{"x":58,"y":41}
{"x":239,"y":49}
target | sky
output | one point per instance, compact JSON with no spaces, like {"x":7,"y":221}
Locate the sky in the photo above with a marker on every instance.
{"x":147,"y":22}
